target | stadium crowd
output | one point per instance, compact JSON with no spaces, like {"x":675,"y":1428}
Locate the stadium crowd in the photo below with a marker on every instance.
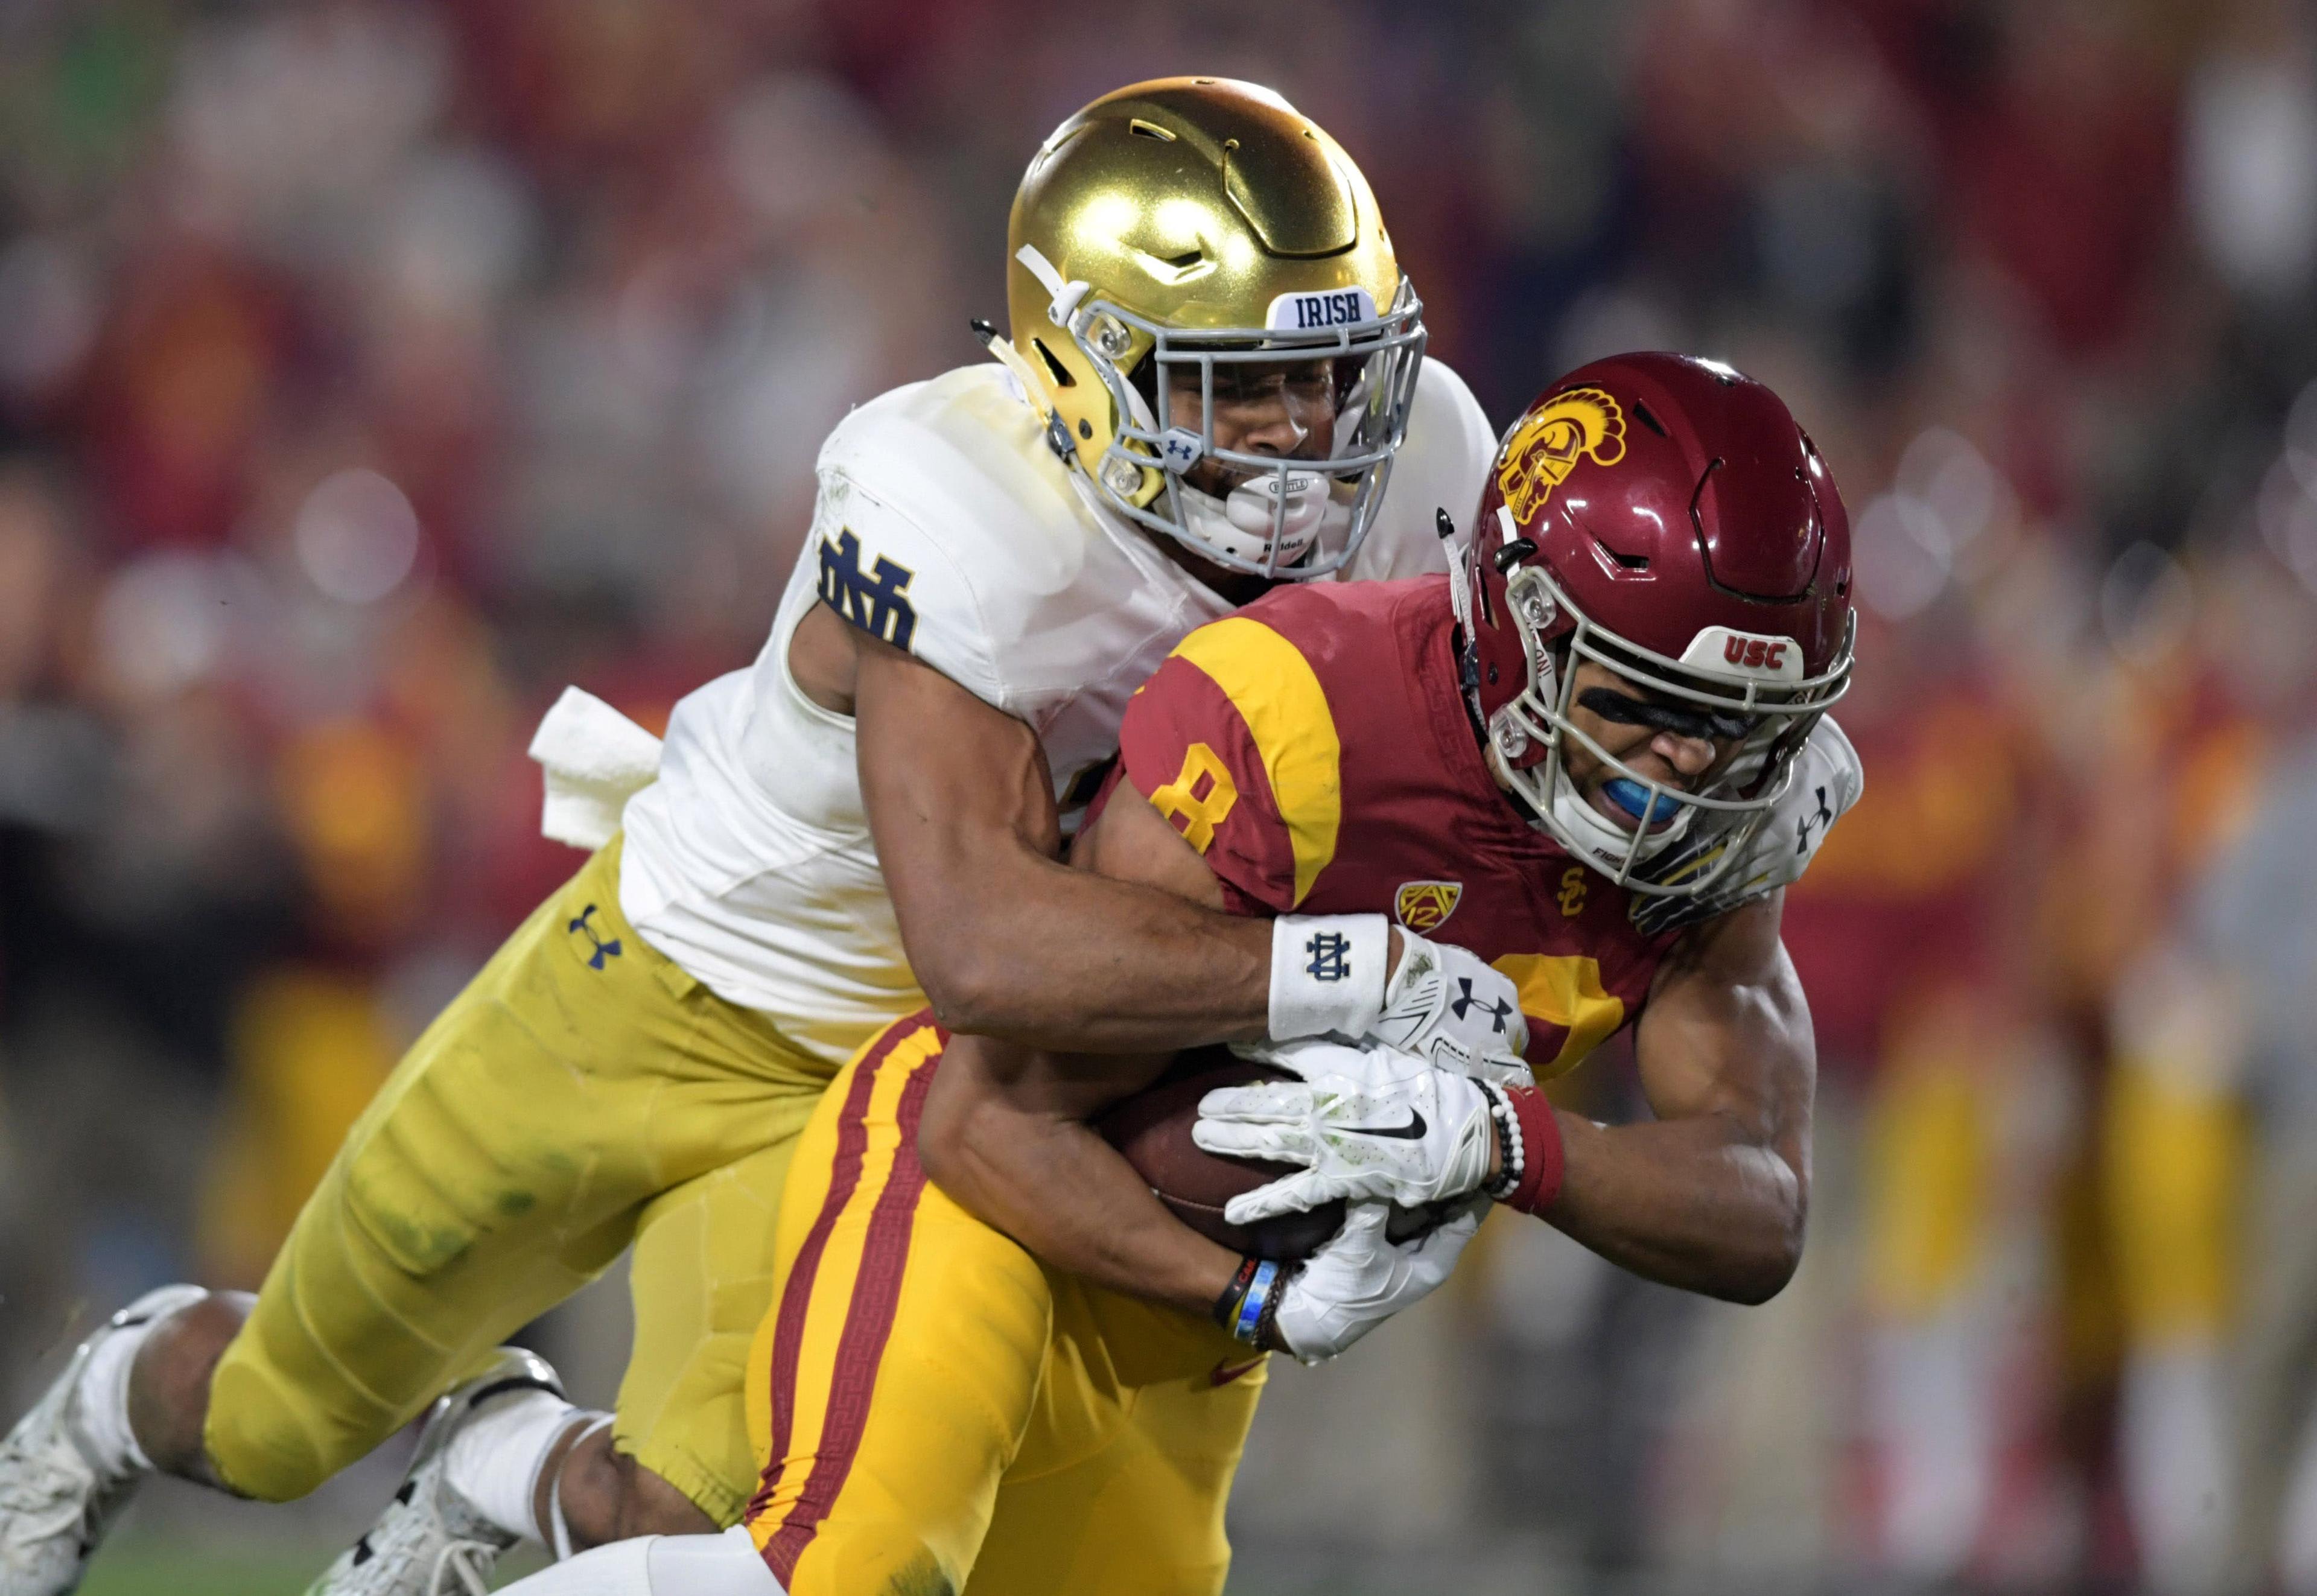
{"x":371,"y":370}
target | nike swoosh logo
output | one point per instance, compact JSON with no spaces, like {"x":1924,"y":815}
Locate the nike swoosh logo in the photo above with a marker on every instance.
{"x":1412,"y":1131}
{"x":1225,"y":1373}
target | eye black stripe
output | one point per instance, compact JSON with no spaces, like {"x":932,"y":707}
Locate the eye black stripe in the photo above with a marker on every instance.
{"x":1622,"y":709}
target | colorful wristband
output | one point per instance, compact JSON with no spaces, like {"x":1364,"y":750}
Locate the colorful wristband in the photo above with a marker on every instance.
{"x":1255,"y":1309}
{"x":1540,"y":1151}
{"x":1225,"y":1313}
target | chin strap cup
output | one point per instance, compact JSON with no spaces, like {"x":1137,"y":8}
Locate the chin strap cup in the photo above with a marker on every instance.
{"x":1066,"y":296}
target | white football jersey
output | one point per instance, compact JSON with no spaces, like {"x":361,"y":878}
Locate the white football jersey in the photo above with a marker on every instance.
{"x":946,"y":526}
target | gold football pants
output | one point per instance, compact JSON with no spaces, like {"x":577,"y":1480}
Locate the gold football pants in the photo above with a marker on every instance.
{"x":582,"y":1093}
{"x":938,"y":1413}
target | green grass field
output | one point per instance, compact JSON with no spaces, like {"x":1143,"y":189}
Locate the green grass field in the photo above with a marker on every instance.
{"x":130,"y":1573}
{"x":143,"y":1569}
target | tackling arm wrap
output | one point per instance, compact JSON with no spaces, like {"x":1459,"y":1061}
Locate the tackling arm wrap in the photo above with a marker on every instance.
{"x":1246,"y":773}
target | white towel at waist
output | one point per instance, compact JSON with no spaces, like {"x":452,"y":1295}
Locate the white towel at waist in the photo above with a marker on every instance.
{"x":596,"y":759}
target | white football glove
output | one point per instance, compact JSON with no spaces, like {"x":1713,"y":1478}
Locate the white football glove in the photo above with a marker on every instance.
{"x":1442,"y":1002}
{"x":1362,"y":1278}
{"x":1370,"y":1124}
{"x":1445,"y":1005}
{"x":1827,"y":780}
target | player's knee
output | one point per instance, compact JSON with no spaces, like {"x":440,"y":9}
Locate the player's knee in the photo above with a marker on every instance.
{"x":169,"y":1383}
{"x":607,"y":1495}
{"x":258,"y":1442}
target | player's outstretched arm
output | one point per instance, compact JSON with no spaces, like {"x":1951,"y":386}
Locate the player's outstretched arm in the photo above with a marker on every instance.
{"x":1006,"y":939}
{"x":1005,"y":1130}
{"x":1711,"y":1196}
{"x":1005,"y":1133}
{"x":1006,"y":942}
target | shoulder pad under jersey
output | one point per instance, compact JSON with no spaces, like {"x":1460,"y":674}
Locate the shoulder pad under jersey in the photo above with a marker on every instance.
{"x":1234,"y":740}
{"x":942,"y":521}
{"x":1442,"y":465}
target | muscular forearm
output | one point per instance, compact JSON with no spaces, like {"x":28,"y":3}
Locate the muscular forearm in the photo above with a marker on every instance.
{"x":1082,"y":962}
{"x":1132,"y":956}
{"x":1692,"y":1203}
{"x":1055,"y":1187}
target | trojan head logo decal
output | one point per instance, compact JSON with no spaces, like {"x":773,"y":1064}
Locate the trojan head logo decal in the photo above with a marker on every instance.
{"x":1550,"y":441}
{"x":1422,"y":905}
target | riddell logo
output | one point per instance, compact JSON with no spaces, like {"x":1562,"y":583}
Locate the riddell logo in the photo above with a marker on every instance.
{"x":1755,"y":653}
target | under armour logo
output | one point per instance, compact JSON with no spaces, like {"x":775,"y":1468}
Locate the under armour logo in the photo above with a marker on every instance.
{"x":1824,"y":817}
{"x":1497,"y":1009}
{"x":1330,"y":959}
{"x":1179,"y":449}
{"x":603,"y":950}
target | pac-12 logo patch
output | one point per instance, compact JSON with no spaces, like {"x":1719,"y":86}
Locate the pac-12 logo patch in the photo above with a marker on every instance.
{"x":1422,"y":905}
{"x":876,"y":600}
{"x":1547,"y":443}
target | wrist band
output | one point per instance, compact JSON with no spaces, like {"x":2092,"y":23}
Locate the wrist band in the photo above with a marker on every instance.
{"x":1267,"y":1323}
{"x":1327,"y":973}
{"x":1256,"y":1308}
{"x":1225,"y":1313}
{"x":1541,"y":1151}
{"x":1508,"y":1139}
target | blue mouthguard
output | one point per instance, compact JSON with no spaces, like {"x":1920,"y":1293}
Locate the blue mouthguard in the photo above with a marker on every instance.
{"x":1634,"y":798}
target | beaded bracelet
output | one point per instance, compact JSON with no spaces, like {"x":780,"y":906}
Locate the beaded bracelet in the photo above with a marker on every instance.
{"x":1508,"y":1139}
{"x":1266,"y":1328}
{"x":1544,"y":1158}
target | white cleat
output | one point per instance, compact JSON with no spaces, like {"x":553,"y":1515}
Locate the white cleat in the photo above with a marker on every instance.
{"x":56,"y":1499}
{"x":431,"y":1540}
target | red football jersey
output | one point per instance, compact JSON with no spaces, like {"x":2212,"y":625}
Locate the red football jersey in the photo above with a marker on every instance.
{"x":1315,"y":750}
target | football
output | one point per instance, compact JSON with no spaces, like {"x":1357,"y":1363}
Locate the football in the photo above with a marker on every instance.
{"x":1152,"y":1129}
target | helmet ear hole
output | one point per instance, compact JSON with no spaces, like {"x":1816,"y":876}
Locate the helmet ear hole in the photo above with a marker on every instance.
{"x":1055,"y":369}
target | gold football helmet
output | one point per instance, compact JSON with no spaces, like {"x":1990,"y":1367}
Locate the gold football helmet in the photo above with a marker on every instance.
{"x":1174,"y":227}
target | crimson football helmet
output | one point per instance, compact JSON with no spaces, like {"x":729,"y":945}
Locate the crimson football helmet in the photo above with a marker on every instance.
{"x":1665,"y":517}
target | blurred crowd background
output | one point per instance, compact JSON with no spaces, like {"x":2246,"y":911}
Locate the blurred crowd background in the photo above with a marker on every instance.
{"x":371,"y":369}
